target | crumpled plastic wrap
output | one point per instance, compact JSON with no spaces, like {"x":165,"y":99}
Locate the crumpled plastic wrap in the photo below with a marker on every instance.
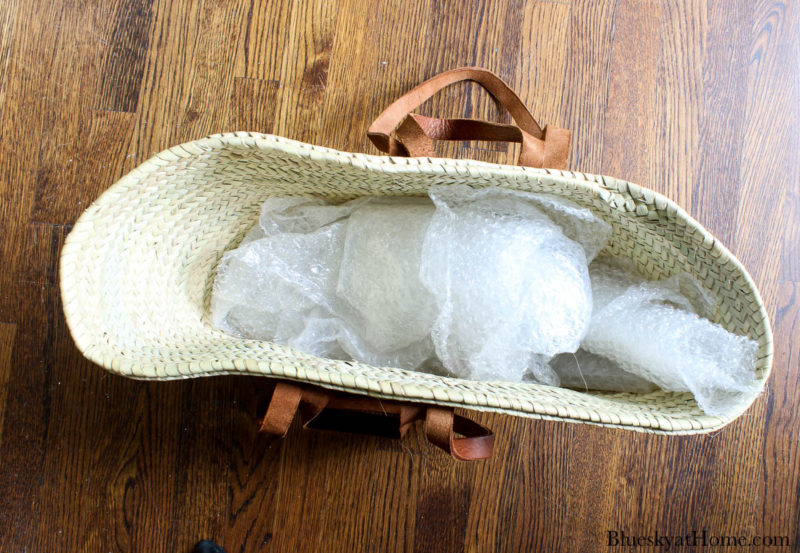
{"x":463,"y":284}
{"x":285,"y":271}
{"x":488,"y":283}
{"x":652,"y":330}
{"x":379,"y":275}
{"x":286,"y":282}
{"x":497,"y":265}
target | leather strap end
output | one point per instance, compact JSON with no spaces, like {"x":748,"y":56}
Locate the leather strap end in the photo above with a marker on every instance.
{"x":477,"y":443}
{"x":388,"y":144}
{"x":282,"y":408}
{"x":556,"y":147}
{"x":379,"y":140}
{"x":441,"y":427}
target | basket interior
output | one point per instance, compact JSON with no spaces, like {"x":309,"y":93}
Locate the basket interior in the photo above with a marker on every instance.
{"x":138,"y":269}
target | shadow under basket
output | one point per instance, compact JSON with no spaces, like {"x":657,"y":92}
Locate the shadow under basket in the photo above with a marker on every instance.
{"x":138,"y":268}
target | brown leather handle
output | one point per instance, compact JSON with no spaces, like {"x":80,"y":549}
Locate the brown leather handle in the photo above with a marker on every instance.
{"x":459,"y":436}
{"x":399,"y":132}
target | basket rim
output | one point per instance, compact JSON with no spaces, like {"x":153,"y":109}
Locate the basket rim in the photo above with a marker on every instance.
{"x":604,"y":186}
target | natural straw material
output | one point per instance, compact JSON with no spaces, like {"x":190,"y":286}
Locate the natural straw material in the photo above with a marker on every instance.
{"x":138,"y":268}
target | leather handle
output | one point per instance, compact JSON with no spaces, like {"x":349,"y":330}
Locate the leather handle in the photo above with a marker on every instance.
{"x":459,"y":436}
{"x":397,"y":131}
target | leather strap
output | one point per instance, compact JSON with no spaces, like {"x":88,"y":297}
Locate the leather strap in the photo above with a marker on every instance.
{"x":414,"y":134}
{"x":280,"y":412}
{"x":442,"y":426}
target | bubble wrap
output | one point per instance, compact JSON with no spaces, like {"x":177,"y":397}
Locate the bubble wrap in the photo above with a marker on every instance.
{"x":299,"y":278}
{"x":497,"y":266}
{"x":577,"y":223}
{"x":379,"y":274}
{"x":464,"y":285}
{"x":285,"y":267}
{"x":650,"y":329}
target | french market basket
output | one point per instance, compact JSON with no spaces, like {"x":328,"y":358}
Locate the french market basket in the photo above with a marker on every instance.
{"x":137,"y":270}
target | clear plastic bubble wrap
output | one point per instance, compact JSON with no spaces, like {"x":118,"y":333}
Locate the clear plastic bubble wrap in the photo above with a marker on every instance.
{"x":652,"y":330}
{"x":287,"y":281}
{"x":379,"y":275}
{"x":462,"y":285}
{"x":488,"y":284}
{"x":497,"y":266}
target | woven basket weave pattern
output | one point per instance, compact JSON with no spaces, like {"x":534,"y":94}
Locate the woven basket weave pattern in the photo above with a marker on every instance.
{"x":138,"y":268}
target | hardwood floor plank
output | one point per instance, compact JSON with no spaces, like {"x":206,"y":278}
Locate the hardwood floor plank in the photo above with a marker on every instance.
{"x":365,"y":54}
{"x":122,"y":65}
{"x":253,"y":105}
{"x":790,"y":233}
{"x":7,"y":333}
{"x":715,"y":198}
{"x":166,"y":87}
{"x":629,"y":123}
{"x":265,"y":39}
{"x":215,"y":62}
{"x":678,"y":103}
{"x":41,"y":244}
{"x":27,"y":417}
{"x":770,"y":150}
{"x":588,"y":59}
{"x":91,"y":412}
{"x":8,"y":16}
{"x":189,"y":73}
{"x":301,"y":499}
{"x":443,"y":502}
{"x":254,"y":461}
{"x":541,"y":76}
{"x":370,"y":503}
{"x":778,"y":511}
{"x":304,"y":69}
{"x":376,"y":510}
{"x":68,"y":119}
{"x":202,"y":420}
{"x":595,"y":513}
{"x":25,"y":80}
{"x":73,"y":176}
{"x":518,"y":500}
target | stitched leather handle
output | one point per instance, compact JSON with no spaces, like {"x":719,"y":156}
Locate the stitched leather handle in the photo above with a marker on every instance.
{"x":459,"y":436}
{"x":399,"y":132}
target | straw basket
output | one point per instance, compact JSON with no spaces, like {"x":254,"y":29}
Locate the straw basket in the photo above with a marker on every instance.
{"x":138,"y":267}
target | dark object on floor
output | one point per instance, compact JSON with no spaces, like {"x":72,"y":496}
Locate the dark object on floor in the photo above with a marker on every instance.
{"x":208,"y":546}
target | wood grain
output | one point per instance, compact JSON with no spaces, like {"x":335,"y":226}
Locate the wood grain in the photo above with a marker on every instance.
{"x":253,"y":104}
{"x":7,"y":333}
{"x":699,"y":100}
{"x":773,"y":120}
{"x":629,"y":124}
{"x":678,"y":91}
{"x":587,"y":76}
{"x":124,"y":54}
{"x":725,"y":69}
{"x":541,"y":75}
{"x":73,"y":175}
{"x":8,"y":12}
{"x":778,"y":488}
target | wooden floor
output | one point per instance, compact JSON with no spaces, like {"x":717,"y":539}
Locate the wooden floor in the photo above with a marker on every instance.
{"x":699,"y":100}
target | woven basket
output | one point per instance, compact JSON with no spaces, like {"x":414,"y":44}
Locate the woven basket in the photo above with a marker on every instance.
{"x":138,"y":268}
